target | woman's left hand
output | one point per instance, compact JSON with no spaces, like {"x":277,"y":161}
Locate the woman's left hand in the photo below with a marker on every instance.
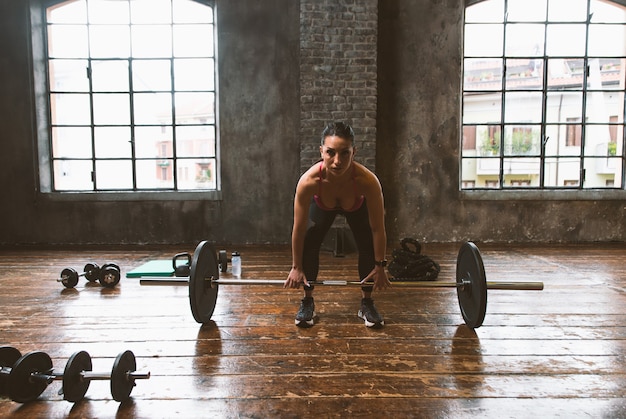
{"x":378,"y":277}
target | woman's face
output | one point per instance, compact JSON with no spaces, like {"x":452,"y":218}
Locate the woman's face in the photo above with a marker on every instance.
{"x":337,"y":154}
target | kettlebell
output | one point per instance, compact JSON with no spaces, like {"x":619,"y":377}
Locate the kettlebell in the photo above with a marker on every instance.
{"x":182,"y":269}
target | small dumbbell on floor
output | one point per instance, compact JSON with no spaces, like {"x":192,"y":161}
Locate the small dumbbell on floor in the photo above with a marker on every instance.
{"x":28,"y":377}
{"x":108,"y":275}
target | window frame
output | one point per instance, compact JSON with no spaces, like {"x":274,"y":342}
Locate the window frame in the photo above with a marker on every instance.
{"x":42,"y":128}
{"x":544,"y":193}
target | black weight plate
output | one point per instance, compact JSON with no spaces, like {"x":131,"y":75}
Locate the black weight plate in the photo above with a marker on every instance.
{"x":20,"y":387}
{"x":109,"y":275}
{"x":92,"y":272}
{"x":69,"y":277}
{"x":8,"y":356}
{"x":223,"y":260}
{"x":74,"y":387}
{"x":121,"y":383}
{"x":473,"y":298}
{"x":203,"y":294}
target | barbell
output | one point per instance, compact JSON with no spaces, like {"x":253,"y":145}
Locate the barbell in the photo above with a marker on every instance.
{"x":471,"y":283}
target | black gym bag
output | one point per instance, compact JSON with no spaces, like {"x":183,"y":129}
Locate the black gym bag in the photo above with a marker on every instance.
{"x":409,"y":265}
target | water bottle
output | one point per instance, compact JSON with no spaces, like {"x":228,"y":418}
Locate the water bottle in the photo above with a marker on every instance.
{"x":236,"y":263}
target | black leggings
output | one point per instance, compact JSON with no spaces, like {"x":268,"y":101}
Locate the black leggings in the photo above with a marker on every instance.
{"x":321,"y":222}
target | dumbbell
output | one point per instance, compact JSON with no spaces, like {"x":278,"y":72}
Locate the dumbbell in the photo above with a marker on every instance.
{"x":8,"y":357}
{"x":31,"y":374}
{"x":109,"y":275}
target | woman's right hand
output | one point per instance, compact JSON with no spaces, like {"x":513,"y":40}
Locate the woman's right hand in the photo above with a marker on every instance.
{"x":295,"y":279}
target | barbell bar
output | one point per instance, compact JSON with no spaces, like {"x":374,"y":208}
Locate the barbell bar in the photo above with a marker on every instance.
{"x":471,"y":284}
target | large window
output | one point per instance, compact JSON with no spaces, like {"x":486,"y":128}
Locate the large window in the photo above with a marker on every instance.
{"x":131,"y":96}
{"x":543,"y":94}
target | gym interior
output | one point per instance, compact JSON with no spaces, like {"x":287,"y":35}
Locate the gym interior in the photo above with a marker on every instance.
{"x":459,"y":152}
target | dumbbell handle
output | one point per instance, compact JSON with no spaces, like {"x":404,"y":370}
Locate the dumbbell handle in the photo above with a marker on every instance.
{"x":89,"y":375}
{"x":49,"y":377}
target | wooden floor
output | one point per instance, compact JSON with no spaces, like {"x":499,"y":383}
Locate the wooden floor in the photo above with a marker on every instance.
{"x":553,"y":353}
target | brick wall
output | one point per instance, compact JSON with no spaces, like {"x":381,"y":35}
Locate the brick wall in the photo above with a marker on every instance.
{"x":338,"y":68}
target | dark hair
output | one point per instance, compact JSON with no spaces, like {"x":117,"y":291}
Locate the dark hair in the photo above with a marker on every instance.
{"x":339,"y":129}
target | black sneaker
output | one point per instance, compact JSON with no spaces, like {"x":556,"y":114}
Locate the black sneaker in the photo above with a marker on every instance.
{"x":306,"y":314}
{"x":369,"y":313}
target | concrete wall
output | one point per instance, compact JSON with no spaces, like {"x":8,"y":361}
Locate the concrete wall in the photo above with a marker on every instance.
{"x":417,"y":143}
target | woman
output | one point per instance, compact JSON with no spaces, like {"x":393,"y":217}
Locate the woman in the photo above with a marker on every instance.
{"x":338,"y":185}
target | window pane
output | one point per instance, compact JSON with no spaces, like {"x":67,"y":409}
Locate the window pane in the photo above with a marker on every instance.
{"x":195,"y":141}
{"x":112,"y":142}
{"x":601,"y":106}
{"x":193,"y":74}
{"x":195,"y":108}
{"x":109,"y":76}
{"x":522,"y":107}
{"x":193,"y":41}
{"x":522,"y":140}
{"x":111,"y":109}
{"x":68,"y":75}
{"x":114,"y":174}
{"x":611,"y":73}
{"x":152,"y":41}
{"x":482,"y":109}
{"x":192,"y":12}
{"x":152,"y":75}
{"x":71,"y":142}
{"x":155,"y":174}
{"x":603,"y":11}
{"x":68,"y":12}
{"x":562,"y":172}
{"x":521,"y":169}
{"x":70,"y":109}
{"x":524,"y":40}
{"x":597,"y":140}
{"x":599,"y":44}
{"x":67,"y":41}
{"x":151,"y":11}
{"x":524,"y":74}
{"x":565,"y":73}
{"x":482,"y":74}
{"x":153,"y":108}
{"x":110,"y":41}
{"x":196,"y":174}
{"x":563,"y":140}
{"x":603,"y":172}
{"x":567,"y":10}
{"x":483,"y":40}
{"x":153,"y":142}
{"x":73,"y":175}
{"x":519,"y":11}
{"x":107,"y":11}
{"x":566,"y":40}
{"x":562,"y":106}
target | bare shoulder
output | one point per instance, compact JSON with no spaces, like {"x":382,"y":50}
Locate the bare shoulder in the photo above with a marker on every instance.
{"x":365,"y":178}
{"x":307,"y":185}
